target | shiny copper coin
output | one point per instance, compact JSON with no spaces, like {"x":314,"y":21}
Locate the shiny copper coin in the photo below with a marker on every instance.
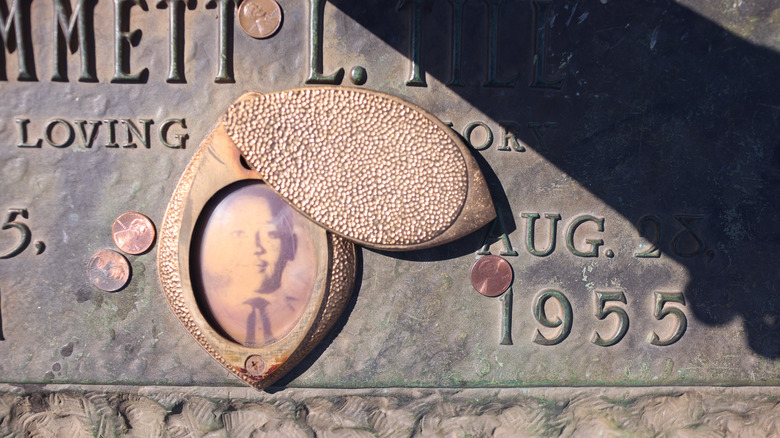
{"x":491,"y":275}
{"x":259,"y":18}
{"x":133,"y":232}
{"x":108,"y":270}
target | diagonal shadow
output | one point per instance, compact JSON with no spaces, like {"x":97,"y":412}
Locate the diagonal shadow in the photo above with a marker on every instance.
{"x":661,"y":111}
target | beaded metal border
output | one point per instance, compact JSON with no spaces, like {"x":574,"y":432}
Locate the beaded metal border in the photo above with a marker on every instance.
{"x":342,"y":261}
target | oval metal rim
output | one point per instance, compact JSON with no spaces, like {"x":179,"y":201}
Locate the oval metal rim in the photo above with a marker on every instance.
{"x":325,"y":306}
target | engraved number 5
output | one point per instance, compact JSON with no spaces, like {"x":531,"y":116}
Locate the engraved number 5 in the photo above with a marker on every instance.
{"x":662,"y":298}
{"x":23,"y":228}
{"x":602,"y":312}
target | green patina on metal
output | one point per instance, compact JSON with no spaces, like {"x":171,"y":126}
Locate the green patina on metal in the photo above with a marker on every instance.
{"x":642,"y":135}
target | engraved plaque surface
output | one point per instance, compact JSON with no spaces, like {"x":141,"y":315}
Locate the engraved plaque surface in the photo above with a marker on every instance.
{"x":631,"y":150}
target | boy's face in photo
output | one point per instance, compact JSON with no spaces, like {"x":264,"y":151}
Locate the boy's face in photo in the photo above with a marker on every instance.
{"x":246,"y":241}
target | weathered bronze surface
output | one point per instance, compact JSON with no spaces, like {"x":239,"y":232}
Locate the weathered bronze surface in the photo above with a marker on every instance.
{"x":630,"y":149}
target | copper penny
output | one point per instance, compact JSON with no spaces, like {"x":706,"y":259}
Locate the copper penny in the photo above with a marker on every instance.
{"x":133,"y":232}
{"x":259,"y":18}
{"x":108,"y":270}
{"x":491,"y":275}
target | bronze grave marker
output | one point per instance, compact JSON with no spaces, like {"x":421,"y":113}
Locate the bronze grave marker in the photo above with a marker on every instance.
{"x":630,"y":150}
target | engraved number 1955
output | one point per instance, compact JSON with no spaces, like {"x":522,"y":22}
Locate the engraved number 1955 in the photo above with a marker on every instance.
{"x":563,"y":320}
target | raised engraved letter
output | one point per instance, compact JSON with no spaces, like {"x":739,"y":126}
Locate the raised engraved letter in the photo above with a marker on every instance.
{"x":488,"y":135}
{"x":494,"y":15}
{"x":74,"y":28}
{"x":87,"y":140}
{"x":594,"y":243}
{"x":416,"y":75}
{"x":124,"y":39}
{"x":132,"y":130}
{"x":530,"y":219}
{"x":457,"y":42}
{"x":687,"y":221}
{"x":111,"y":133}
{"x":23,"y":135}
{"x":175,"y":40}
{"x":182,"y":138}
{"x":497,"y":230}
{"x":18,"y":18}
{"x":225,"y":55}
{"x":539,"y":133}
{"x":509,"y":131}
{"x":316,"y":12}
{"x":49,"y":136}
{"x":540,"y":48}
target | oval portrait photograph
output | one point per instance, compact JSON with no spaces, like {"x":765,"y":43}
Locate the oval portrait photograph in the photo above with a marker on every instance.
{"x":256,"y":262}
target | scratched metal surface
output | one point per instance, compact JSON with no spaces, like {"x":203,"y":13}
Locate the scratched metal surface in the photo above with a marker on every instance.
{"x":665,"y":111}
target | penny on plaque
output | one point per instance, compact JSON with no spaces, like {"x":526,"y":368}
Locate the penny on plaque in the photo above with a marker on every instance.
{"x":259,"y":18}
{"x":491,"y":275}
{"x":133,"y":232}
{"x":108,"y":270}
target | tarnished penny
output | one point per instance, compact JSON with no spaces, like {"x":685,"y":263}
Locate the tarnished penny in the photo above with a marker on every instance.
{"x":259,"y":18}
{"x":491,"y":275}
{"x":108,"y":270}
{"x":133,"y":232}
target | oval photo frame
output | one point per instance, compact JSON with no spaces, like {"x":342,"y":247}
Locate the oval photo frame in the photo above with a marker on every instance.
{"x":214,"y":173}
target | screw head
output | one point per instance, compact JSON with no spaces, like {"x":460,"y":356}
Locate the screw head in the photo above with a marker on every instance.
{"x":254,"y":365}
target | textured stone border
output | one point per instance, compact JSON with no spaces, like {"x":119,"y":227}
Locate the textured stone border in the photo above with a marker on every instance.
{"x":108,"y":411}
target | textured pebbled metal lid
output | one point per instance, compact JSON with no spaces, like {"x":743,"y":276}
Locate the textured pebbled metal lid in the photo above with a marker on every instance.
{"x":365,"y":165}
